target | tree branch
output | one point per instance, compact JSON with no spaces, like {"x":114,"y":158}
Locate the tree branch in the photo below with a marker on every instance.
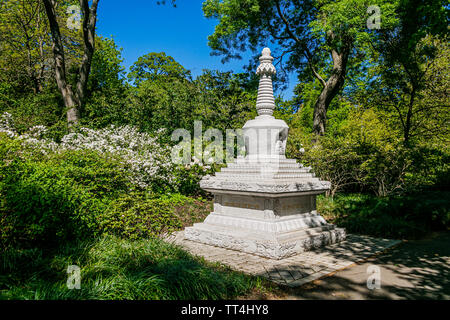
{"x":306,"y":52}
{"x":313,"y":70}
{"x":287,"y":25}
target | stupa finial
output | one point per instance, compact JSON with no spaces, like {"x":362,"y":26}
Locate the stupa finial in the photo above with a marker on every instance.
{"x":265,"y":103}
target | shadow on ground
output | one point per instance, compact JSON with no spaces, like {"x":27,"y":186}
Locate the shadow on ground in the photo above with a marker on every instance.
{"x":418,"y":269}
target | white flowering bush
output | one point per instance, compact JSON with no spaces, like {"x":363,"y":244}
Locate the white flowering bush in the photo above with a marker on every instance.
{"x":7,"y":125}
{"x":148,"y":161}
{"x":115,"y":180}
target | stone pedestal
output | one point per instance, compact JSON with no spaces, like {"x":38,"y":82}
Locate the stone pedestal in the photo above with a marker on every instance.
{"x":264,"y":203}
{"x":274,"y":218}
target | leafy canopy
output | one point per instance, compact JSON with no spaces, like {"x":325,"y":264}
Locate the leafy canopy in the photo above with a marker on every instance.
{"x":156,"y":65}
{"x":301,"y":30}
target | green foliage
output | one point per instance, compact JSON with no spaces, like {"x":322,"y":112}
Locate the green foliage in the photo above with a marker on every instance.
{"x":116,"y":269}
{"x":49,"y":198}
{"x":22,"y":59}
{"x":348,"y":19}
{"x":58,"y":197}
{"x":26,"y":58}
{"x":409,"y":73}
{"x":188,"y":209}
{"x":107,"y":106}
{"x":321,"y":40}
{"x":108,"y":92}
{"x":221,"y":100}
{"x":106,"y":70}
{"x":136,"y":216}
{"x":226,"y":100}
{"x":32,"y":110}
{"x":305,"y":97}
{"x":387,"y":130}
{"x":155,"y":66}
{"x":431,"y":167}
{"x":9,"y":149}
{"x":363,"y":155}
{"x":188,"y":178}
{"x":44,"y":106}
{"x":167,"y":103}
{"x":400,"y":217}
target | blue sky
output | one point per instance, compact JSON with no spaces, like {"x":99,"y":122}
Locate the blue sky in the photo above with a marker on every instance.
{"x":142,"y":26}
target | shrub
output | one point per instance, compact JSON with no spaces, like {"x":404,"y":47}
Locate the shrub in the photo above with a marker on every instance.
{"x":189,"y":210}
{"x":69,"y":194}
{"x":365,"y":157}
{"x":59,"y":197}
{"x":32,"y":110}
{"x":135,"y":216}
{"x":138,"y":215}
{"x":408,"y":216}
{"x":187,"y":178}
{"x":147,"y":161}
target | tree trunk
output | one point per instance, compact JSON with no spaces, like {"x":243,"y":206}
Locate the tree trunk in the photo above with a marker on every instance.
{"x":331,"y":88}
{"x":335,"y":81}
{"x":407,"y":129}
{"x":72,"y":100}
{"x":89,"y":22}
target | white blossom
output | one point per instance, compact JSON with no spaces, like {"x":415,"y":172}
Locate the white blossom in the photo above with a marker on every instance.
{"x":143,"y":157}
{"x":7,"y":125}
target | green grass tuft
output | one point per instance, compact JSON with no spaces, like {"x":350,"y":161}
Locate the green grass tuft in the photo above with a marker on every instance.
{"x":113,"y":268}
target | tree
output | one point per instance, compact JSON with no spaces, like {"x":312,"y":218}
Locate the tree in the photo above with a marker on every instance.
{"x":226,"y":100}
{"x":411,"y":65}
{"x":23,"y":38}
{"x":106,"y":103}
{"x":163,"y":96}
{"x":73,"y":99}
{"x":316,"y":35}
{"x":156,"y":65}
{"x":163,"y":103}
{"x":106,"y":70}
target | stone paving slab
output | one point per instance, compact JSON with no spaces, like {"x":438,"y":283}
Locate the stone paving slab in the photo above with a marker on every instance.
{"x":293,"y":271}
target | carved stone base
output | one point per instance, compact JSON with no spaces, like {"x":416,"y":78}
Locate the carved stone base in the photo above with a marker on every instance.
{"x":273,"y":246}
{"x":270,"y":226}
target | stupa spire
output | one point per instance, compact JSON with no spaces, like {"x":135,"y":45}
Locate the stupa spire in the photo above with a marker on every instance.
{"x":265,"y":103}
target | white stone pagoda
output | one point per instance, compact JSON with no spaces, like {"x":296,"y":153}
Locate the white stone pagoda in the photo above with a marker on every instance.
{"x":265,"y":204}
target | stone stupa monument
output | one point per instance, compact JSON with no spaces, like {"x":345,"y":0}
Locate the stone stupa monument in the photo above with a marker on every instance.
{"x":265,"y":204}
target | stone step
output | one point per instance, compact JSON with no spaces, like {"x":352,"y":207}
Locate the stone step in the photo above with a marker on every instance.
{"x":281,"y":225}
{"x":257,"y":165}
{"x":262,"y":175}
{"x":265,"y":169}
{"x":263,"y":235}
{"x":269,"y":165}
{"x":262,"y":159}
